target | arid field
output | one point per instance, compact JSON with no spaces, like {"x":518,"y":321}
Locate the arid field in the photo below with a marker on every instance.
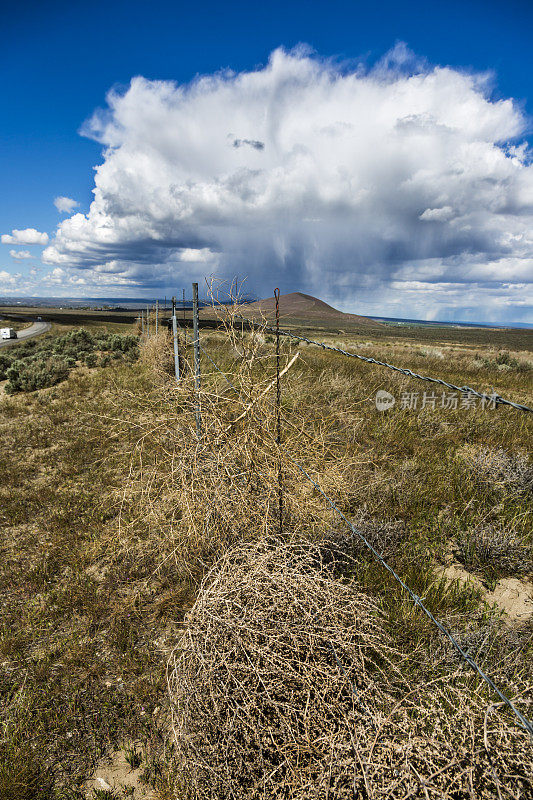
{"x":163,"y":636}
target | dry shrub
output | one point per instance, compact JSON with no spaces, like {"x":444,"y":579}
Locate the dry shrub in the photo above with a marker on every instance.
{"x":386,"y":536}
{"x":431,"y":352}
{"x":189,"y":497}
{"x":496,"y":550}
{"x":287,"y":685}
{"x":157,"y":352}
{"x":495,"y":466}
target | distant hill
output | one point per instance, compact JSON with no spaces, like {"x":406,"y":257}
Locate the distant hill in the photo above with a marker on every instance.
{"x":302,"y":306}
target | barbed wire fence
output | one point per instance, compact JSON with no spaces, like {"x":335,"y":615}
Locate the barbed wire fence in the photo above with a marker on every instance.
{"x":485,"y":398}
{"x":282,"y":453}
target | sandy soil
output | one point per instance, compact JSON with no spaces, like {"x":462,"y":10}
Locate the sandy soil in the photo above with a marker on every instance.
{"x":514,"y":596}
{"x":115,"y":774}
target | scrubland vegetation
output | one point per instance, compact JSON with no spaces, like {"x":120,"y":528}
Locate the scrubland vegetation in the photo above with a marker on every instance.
{"x":36,"y":364}
{"x":297,"y":667}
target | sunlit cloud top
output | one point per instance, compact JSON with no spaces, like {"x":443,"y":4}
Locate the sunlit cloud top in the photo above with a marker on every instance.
{"x":403,"y":184}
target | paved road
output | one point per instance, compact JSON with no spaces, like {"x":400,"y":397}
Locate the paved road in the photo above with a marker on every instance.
{"x":34,"y":330}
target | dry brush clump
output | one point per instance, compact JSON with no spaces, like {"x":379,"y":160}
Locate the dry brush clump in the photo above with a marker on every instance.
{"x":193,"y":492}
{"x":158,"y":355}
{"x":495,"y":466}
{"x":286,"y":684}
{"x":495,"y":550}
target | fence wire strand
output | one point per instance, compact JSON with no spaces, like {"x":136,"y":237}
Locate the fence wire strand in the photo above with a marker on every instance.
{"x":494,"y":398}
{"x":524,"y":723}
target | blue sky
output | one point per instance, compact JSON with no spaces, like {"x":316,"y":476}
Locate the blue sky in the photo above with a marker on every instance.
{"x":59,"y":60}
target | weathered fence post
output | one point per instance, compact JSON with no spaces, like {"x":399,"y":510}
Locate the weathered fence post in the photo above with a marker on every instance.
{"x":142,"y":324}
{"x":175,"y":337}
{"x":147,"y":321}
{"x":196,"y":334}
{"x":156,"y":316}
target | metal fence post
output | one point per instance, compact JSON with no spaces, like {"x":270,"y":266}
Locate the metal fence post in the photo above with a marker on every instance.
{"x":175,"y":337}
{"x":184,"y":320}
{"x":278,"y":419}
{"x":196,"y":334}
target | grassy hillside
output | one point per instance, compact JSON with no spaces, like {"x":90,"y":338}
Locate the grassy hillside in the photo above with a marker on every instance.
{"x":112,"y":514}
{"x":297,"y":305}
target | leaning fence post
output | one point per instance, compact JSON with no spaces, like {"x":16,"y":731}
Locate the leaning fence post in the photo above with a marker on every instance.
{"x":175,"y":337}
{"x":196,"y":334}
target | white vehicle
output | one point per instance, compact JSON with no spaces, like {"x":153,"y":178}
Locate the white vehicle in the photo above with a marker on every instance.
{"x":8,"y":333}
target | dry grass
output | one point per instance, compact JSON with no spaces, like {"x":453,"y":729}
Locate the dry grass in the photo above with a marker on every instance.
{"x":114,"y":511}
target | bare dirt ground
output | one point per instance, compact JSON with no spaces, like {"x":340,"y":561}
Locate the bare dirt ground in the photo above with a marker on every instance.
{"x":115,"y":774}
{"x":514,"y":596}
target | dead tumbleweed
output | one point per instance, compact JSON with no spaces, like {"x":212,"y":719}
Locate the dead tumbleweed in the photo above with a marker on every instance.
{"x":287,"y":685}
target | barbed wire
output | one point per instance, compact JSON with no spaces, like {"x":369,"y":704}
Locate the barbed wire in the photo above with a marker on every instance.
{"x":493,"y":398}
{"x":524,"y":723}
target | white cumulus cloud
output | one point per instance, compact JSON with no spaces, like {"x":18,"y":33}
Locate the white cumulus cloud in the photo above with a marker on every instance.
{"x":26,"y":236}
{"x":65,"y":205}
{"x":7,"y":280}
{"x":357,"y":185}
{"x":18,"y":255}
